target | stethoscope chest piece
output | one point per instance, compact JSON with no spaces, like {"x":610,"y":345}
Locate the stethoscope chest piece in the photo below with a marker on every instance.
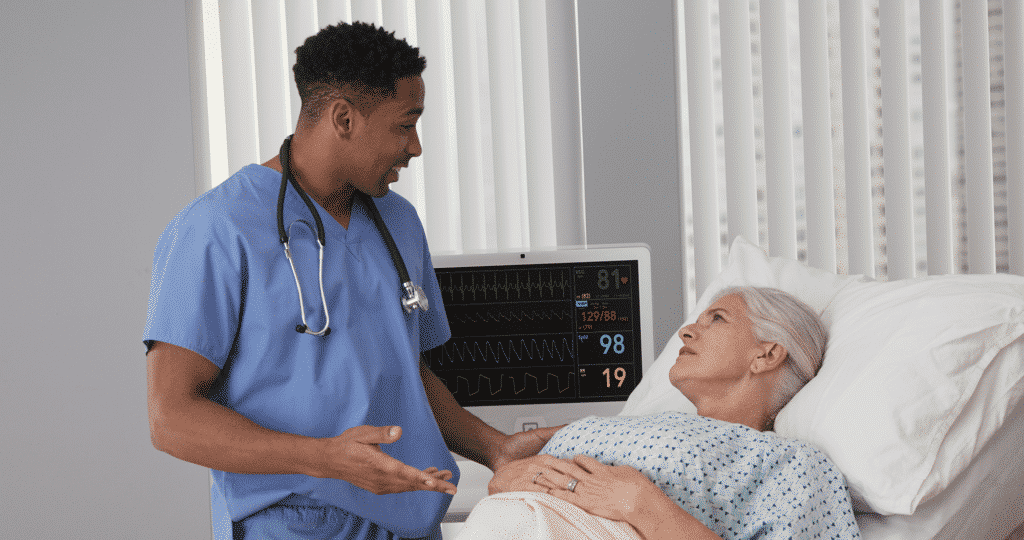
{"x":414,"y":298}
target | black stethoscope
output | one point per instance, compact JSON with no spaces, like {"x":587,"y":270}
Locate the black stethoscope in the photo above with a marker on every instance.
{"x":412,"y":296}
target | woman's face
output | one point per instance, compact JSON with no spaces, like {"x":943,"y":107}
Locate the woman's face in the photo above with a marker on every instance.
{"x":717,"y":349}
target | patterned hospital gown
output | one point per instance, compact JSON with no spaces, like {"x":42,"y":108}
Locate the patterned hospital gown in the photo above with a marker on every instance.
{"x":739,"y":482}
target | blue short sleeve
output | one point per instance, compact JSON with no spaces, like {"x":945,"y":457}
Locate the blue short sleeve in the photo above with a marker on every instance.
{"x":198,"y":275}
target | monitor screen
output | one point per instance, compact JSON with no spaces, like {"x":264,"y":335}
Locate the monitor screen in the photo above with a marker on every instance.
{"x":543,"y":338}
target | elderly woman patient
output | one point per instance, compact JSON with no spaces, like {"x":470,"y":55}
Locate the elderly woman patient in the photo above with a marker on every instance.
{"x":719,"y":474}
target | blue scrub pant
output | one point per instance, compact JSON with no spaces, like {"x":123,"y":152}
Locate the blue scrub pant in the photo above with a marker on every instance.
{"x":302,"y":518}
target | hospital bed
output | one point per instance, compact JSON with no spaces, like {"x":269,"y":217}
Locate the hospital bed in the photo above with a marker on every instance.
{"x":918,"y":401}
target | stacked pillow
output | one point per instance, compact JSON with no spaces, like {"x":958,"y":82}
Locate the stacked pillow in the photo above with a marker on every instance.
{"x":917,"y":377}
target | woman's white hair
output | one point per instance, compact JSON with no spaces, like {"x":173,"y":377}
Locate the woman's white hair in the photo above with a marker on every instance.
{"x":779,"y":317}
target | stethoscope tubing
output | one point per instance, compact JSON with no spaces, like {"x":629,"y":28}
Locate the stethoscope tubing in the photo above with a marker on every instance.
{"x":287,"y":177}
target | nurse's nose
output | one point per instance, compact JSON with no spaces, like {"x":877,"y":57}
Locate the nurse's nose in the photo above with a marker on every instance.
{"x":687,"y":332}
{"x":413,"y":148}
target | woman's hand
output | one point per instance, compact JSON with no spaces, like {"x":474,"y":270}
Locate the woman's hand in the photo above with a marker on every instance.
{"x":613,"y":492}
{"x":522,"y":475}
{"x":622,"y":493}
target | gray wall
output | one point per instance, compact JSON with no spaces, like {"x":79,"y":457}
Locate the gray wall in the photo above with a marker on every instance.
{"x":630,"y":140}
{"x":96,"y":142}
{"x":96,"y":145}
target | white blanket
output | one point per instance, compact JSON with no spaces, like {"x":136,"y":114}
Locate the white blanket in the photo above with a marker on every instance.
{"x":527,"y":515}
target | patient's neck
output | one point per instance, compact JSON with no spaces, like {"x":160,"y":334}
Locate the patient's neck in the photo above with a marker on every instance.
{"x":749,"y":405}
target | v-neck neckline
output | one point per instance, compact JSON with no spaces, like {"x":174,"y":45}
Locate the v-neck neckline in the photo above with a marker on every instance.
{"x":357,"y":222}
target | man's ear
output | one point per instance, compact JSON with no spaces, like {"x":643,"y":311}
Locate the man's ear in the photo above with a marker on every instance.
{"x":343,"y":117}
{"x":770,"y":356}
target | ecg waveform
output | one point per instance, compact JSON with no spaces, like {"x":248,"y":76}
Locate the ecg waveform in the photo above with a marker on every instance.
{"x":512,"y":285}
{"x":512,"y":318}
{"x":524,"y":351}
{"x":499,"y":385}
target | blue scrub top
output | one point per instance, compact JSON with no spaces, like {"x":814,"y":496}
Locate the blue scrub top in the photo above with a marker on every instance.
{"x":222,"y":287}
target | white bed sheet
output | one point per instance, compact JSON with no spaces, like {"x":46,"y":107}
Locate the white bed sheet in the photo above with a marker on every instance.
{"x":986,"y":502}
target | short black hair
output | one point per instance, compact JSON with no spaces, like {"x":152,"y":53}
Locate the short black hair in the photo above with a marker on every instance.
{"x":359,"y":55}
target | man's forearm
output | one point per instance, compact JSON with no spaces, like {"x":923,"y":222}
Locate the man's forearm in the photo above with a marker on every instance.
{"x":463,"y":432}
{"x":228,"y":441}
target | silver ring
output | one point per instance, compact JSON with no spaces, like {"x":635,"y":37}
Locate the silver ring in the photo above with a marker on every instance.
{"x":572,"y":485}
{"x":536,"y":476}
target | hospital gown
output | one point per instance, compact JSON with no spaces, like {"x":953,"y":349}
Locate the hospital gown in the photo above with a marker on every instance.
{"x":739,"y":482}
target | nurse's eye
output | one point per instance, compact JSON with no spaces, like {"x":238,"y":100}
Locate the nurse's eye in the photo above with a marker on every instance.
{"x":717,"y":317}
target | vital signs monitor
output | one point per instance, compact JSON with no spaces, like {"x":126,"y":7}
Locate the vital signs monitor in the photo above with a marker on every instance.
{"x":542,"y":338}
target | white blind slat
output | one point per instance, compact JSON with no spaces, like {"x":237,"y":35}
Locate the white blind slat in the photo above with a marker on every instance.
{"x":213,"y":67}
{"x":239,"y":83}
{"x":938,"y":187}
{"x":273,"y":105}
{"x":476,"y":184}
{"x":778,"y":131}
{"x":738,"y":110}
{"x":302,"y":19}
{"x":856,"y":153}
{"x":368,"y":11}
{"x":1013,"y":23}
{"x":978,"y":131}
{"x":537,"y":110}
{"x":685,"y":178}
{"x":507,"y":121}
{"x":437,"y":128}
{"x":332,"y":12}
{"x":899,"y":208}
{"x":817,"y":129}
{"x":706,"y":231}
{"x":400,"y":18}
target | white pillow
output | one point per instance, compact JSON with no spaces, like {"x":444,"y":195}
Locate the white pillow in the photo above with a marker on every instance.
{"x":747,"y":265}
{"x":897,"y":404}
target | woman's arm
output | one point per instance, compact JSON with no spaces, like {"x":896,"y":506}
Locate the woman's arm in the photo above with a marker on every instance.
{"x":622,"y":493}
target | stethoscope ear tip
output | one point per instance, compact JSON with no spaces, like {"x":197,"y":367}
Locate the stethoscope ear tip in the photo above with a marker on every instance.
{"x":300,"y":328}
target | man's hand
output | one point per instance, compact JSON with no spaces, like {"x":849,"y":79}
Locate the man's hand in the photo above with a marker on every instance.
{"x":523,"y":445}
{"x":355,"y":456}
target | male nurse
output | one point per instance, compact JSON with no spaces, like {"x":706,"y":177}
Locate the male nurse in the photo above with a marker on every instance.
{"x":339,"y":434}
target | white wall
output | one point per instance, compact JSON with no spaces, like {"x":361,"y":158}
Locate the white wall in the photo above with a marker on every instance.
{"x":96,"y":144}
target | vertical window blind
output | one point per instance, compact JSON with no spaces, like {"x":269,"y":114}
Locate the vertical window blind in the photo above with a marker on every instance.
{"x":862,"y":136}
{"x":502,"y":160}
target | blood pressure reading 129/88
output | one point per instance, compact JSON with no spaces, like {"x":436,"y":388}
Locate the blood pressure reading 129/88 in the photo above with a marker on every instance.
{"x":540,"y":333}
